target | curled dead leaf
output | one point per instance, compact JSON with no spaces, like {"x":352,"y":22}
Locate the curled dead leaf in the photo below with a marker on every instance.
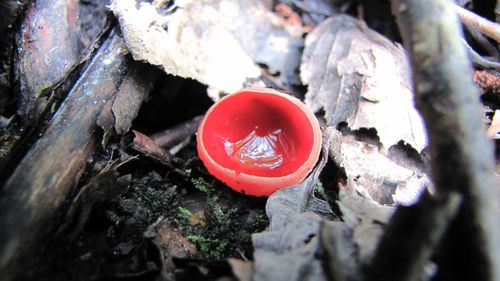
{"x":359,"y":77}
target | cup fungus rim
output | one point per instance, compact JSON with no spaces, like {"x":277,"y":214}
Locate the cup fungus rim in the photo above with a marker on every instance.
{"x":267,"y":185}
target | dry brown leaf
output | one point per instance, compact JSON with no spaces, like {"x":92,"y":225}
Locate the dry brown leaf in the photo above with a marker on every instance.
{"x":488,"y":80}
{"x":173,"y":244}
{"x":359,"y":77}
{"x":123,"y":109}
{"x":214,"y":42}
{"x":133,"y":91}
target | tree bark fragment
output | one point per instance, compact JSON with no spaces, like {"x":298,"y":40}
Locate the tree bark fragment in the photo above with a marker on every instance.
{"x":36,"y":191}
{"x":47,"y":48}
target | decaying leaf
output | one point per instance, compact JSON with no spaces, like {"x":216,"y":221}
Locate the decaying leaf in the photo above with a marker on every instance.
{"x":289,"y":249}
{"x":366,"y":218}
{"x":359,"y":77}
{"x":290,"y":254}
{"x":173,"y":244}
{"x":118,"y":114}
{"x":373,"y":186}
{"x":215,"y":42}
{"x":296,"y":235}
{"x":315,"y":11}
{"x":494,"y":126}
{"x":487,"y":80}
{"x":340,"y":250}
{"x":132,"y":92}
{"x":288,"y":202}
{"x":373,"y":175}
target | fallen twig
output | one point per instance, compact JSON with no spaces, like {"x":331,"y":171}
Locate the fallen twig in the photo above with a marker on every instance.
{"x":169,"y":138}
{"x":478,"y":60}
{"x":144,"y":145}
{"x":484,"y":42}
{"x":481,"y":24}
{"x":461,"y":156}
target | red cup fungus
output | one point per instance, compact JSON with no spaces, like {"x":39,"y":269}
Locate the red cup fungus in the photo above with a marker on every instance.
{"x":259,"y":140}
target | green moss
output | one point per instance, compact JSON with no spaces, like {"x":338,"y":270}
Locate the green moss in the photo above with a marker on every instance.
{"x":113,"y":217}
{"x":201,"y":185}
{"x":184,"y":214}
{"x":211,"y":248}
{"x":6,"y":143}
{"x":226,"y":230}
{"x":156,"y":201}
{"x":319,"y":187}
{"x":146,"y":200}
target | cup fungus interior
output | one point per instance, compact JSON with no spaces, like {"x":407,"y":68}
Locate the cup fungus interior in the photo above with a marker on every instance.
{"x":259,"y":134}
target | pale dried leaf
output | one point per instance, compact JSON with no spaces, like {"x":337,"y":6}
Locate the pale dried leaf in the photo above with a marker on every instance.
{"x":340,"y":250}
{"x":370,"y":173}
{"x":288,"y":202}
{"x":265,"y":38}
{"x":315,"y":11}
{"x":202,"y":50}
{"x":366,"y":218}
{"x":214,"y":42}
{"x":374,"y":186}
{"x":494,"y":127}
{"x":359,"y":77}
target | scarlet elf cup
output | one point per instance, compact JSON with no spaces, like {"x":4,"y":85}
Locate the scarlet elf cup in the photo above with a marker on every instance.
{"x":258,"y":140}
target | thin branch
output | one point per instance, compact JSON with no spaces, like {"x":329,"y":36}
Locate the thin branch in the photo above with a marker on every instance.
{"x":481,"y":24}
{"x":484,"y":42}
{"x":461,"y":156}
{"x":169,"y":138}
{"x":478,"y":60}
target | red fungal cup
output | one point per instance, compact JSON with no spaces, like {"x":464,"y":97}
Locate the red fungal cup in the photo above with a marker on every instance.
{"x":259,"y":140}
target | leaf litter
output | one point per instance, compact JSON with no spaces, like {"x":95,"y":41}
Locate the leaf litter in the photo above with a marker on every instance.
{"x":219,"y":43}
{"x":355,"y":78}
{"x":359,"y":77}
